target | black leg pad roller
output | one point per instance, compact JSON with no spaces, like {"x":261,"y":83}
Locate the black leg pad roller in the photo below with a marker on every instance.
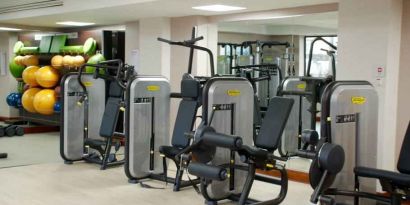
{"x":222,"y":140}
{"x":207,"y":171}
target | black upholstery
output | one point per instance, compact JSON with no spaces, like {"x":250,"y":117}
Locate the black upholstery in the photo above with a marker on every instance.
{"x":93,"y":143}
{"x":110,"y":117}
{"x":261,"y":154}
{"x":274,"y":122}
{"x":393,"y":177}
{"x":115,"y":90}
{"x":184,"y":122}
{"x":169,"y":151}
{"x":403,"y":164}
{"x":190,"y":88}
{"x":257,"y":112}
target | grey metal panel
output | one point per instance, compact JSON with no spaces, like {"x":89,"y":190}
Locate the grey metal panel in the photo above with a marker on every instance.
{"x":267,"y":89}
{"x":140,"y":123}
{"x":290,"y":135}
{"x":243,"y":126}
{"x":359,"y":139}
{"x":74,"y":114}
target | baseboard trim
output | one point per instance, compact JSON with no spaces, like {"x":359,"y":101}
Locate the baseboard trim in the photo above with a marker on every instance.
{"x":3,"y":118}
{"x":293,"y":175}
{"x":41,"y":129}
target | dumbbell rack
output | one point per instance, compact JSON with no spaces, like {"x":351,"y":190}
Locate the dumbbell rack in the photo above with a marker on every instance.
{"x":53,"y":120}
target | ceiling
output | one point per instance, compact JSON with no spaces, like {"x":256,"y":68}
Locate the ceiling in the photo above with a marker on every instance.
{"x":319,"y":23}
{"x":110,"y":12}
{"x":7,"y":3}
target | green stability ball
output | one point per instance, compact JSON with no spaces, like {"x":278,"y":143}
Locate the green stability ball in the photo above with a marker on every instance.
{"x":95,"y":59}
{"x":16,"y":70}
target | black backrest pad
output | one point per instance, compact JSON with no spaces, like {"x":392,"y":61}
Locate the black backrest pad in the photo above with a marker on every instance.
{"x":115,"y":90}
{"x":190,"y":88}
{"x":274,"y":122}
{"x":403,"y":164}
{"x":184,"y":122}
{"x":110,"y":117}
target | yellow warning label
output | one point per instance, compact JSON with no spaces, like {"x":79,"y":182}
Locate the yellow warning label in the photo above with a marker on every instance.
{"x":301,"y":86}
{"x":358,"y":100}
{"x":234,"y":93}
{"x":88,"y":84}
{"x":153,"y":88}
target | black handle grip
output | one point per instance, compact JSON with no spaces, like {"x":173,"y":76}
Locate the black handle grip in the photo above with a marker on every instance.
{"x":222,"y":140}
{"x":207,"y":171}
{"x":164,"y":40}
{"x":3,"y":155}
{"x":192,"y":41}
{"x":176,"y":95}
{"x":306,"y":154}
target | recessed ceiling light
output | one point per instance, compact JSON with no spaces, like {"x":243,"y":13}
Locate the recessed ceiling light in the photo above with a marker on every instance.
{"x":74,"y":23}
{"x":277,"y":17}
{"x":218,"y":7}
{"x":283,"y":17}
{"x":9,"y":29}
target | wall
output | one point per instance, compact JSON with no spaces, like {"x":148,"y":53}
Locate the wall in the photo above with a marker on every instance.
{"x":8,"y":82}
{"x":403,"y":110}
{"x":369,"y":38}
{"x":132,"y":43}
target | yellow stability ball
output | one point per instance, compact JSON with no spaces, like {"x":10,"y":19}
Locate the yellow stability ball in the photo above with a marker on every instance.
{"x":30,"y":60}
{"x":19,"y":60}
{"x":27,"y":99}
{"x":67,"y":60}
{"x":57,"y":61}
{"x":78,"y":61}
{"x":47,"y":76}
{"x":29,"y":75}
{"x":44,"y":101}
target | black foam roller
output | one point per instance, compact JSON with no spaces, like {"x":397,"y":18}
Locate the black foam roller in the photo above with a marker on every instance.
{"x":207,"y":171}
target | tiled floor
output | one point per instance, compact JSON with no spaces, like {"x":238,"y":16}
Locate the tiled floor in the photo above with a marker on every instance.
{"x":34,"y":174}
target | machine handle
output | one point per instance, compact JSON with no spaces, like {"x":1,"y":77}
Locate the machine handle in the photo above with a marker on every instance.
{"x":306,"y":154}
{"x":176,"y":95}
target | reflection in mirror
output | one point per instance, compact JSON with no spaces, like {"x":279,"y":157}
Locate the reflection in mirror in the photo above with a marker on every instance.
{"x":273,"y":54}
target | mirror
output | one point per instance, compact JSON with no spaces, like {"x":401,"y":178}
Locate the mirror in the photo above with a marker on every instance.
{"x":267,"y":51}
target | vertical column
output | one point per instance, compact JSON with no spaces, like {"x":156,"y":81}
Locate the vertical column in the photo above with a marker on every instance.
{"x":132,"y":44}
{"x":9,"y":84}
{"x":403,"y":110}
{"x":154,"y":55}
{"x":368,"y":39}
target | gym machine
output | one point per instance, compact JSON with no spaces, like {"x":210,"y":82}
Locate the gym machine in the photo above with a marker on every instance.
{"x":349,"y":119}
{"x":329,"y":162}
{"x":307,"y":92}
{"x":268,"y":89}
{"x":257,"y":156}
{"x":149,"y":123}
{"x":226,"y":62}
{"x":225,"y":107}
{"x":91,"y":105}
{"x":147,"y":127}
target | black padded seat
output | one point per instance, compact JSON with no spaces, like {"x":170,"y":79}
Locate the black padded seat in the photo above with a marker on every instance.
{"x":274,"y":123}
{"x":254,"y":152}
{"x":393,"y":177}
{"x":110,"y":117}
{"x":170,"y":151}
{"x":95,"y":142}
{"x":184,"y":123}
